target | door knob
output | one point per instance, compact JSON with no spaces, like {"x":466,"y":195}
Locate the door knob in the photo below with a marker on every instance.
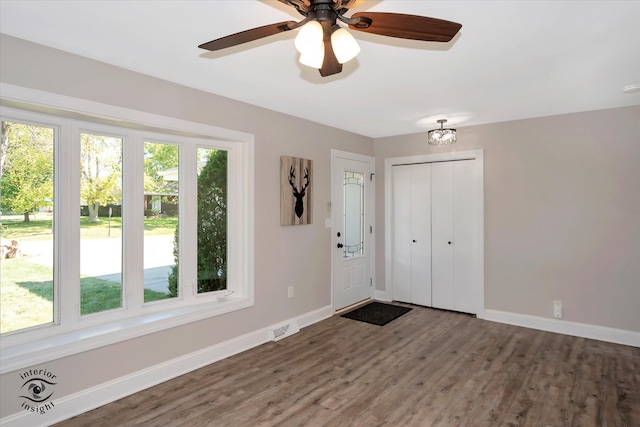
{"x":449,"y":242}
{"x":414,"y":241}
{"x":340,"y":245}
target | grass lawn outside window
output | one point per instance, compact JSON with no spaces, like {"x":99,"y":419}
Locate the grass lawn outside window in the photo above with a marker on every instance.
{"x":26,"y":288}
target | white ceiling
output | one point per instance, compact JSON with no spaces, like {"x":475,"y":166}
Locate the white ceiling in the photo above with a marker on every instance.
{"x":511,"y":59}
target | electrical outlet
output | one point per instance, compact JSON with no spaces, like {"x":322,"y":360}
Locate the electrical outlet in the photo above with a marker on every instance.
{"x":290,"y":292}
{"x":557,"y":309}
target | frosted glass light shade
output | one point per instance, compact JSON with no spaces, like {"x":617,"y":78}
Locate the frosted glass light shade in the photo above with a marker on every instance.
{"x":313,"y":57}
{"x":309,"y":36}
{"x":344,"y":45}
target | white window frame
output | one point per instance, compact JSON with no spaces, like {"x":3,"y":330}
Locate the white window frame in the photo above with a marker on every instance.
{"x":71,"y":333}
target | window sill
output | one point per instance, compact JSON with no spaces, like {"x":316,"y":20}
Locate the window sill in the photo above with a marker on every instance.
{"x":21,"y":355}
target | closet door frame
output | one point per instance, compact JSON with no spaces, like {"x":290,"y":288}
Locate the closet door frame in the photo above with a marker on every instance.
{"x":478,"y":157}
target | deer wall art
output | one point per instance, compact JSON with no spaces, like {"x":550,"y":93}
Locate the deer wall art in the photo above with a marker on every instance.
{"x":296,"y":177}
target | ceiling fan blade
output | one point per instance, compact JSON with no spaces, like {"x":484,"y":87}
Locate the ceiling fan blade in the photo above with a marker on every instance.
{"x":348,"y":4}
{"x":292,"y":2}
{"x":247,"y":36}
{"x":403,"y":26}
{"x":300,"y":5}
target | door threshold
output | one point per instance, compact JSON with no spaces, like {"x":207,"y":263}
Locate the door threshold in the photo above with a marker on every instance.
{"x":354,"y":305}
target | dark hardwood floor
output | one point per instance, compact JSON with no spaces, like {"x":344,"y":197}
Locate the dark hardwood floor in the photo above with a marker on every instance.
{"x":426,"y":368}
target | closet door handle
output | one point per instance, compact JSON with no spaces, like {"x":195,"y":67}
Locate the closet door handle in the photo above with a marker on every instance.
{"x":414,"y":241}
{"x":449,"y":242}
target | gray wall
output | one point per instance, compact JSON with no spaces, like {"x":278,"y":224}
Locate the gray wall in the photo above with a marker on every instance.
{"x":562,"y":213}
{"x":562,"y":210}
{"x":284,"y":256}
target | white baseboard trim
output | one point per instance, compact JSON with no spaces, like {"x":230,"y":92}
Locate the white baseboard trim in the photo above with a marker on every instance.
{"x":315,"y":316}
{"x":583,"y":330}
{"x":94,"y":397}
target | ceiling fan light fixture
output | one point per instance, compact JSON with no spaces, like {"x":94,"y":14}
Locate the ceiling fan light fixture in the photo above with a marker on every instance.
{"x":344,"y":45}
{"x":442,"y":136}
{"x":309,"y":37}
{"x":320,"y":30}
{"x":313,"y":57}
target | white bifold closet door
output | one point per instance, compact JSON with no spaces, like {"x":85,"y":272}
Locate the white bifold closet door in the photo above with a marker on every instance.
{"x":435,"y":235}
{"x":412,"y":234}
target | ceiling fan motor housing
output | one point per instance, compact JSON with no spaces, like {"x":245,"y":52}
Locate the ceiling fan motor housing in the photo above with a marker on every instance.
{"x":322,"y":11}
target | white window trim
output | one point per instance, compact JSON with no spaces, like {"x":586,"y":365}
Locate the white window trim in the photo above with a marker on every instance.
{"x":49,"y":342}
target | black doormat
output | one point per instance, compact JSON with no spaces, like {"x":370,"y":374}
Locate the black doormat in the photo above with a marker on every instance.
{"x":377,"y":313}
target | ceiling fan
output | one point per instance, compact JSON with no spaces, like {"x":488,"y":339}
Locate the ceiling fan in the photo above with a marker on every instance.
{"x":325,"y":45}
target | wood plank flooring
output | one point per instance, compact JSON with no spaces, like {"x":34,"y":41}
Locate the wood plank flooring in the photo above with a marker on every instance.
{"x":426,"y":368}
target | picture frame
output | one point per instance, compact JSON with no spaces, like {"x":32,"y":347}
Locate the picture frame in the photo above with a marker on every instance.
{"x":296,"y":191}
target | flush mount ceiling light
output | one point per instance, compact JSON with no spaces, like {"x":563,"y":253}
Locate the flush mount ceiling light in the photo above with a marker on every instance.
{"x":442,"y":136}
{"x":325,"y":45}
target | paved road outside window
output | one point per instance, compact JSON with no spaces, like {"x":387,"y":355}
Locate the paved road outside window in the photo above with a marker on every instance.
{"x":101,"y":258}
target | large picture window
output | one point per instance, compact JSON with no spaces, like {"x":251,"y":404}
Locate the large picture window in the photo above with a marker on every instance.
{"x":26,"y":247}
{"x":106,"y":225}
{"x":100,"y":204}
{"x":212,"y":220}
{"x":161,"y":203}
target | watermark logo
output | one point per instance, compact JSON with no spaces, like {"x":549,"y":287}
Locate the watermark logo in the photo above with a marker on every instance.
{"x":37,"y":389}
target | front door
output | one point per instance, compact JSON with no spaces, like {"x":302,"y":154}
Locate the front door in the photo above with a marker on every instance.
{"x":352,"y":229}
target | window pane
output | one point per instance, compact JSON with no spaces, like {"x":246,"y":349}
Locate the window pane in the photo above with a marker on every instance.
{"x":100,"y":223}
{"x":212,"y":220}
{"x":160,"y":221}
{"x":353,"y":214}
{"x":26,"y":204}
